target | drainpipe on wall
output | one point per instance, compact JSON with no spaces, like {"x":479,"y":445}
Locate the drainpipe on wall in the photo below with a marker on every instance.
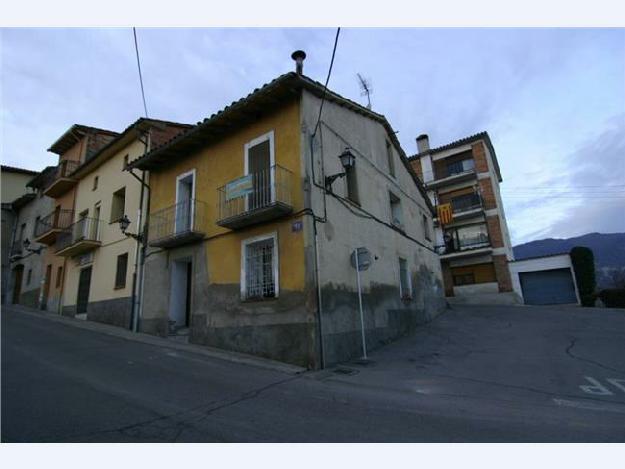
{"x":137,"y":278}
{"x":319,"y":303}
{"x":7,"y":280}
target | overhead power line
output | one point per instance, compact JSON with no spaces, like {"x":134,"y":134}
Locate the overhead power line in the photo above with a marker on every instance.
{"x":145,"y":106}
{"x":325,"y":88}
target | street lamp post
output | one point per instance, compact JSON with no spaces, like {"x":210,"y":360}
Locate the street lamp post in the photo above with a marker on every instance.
{"x":348,"y":161}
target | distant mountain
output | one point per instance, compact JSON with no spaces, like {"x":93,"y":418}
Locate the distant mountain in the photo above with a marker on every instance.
{"x":609,"y":251}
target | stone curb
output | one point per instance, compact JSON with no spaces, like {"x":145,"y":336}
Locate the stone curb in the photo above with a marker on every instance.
{"x":211,"y":352}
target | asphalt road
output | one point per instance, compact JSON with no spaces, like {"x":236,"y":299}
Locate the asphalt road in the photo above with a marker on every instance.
{"x":475,"y":374}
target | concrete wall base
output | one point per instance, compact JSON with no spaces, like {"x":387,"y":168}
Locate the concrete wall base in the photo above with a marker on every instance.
{"x":30,"y":298}
{"x":115,"y":312}
{"x":507,"y":298}
{"x":386,"y":317}
{"x":288,"y":343}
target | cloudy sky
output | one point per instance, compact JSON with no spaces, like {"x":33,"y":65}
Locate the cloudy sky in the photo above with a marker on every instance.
{"x":552,"y":100}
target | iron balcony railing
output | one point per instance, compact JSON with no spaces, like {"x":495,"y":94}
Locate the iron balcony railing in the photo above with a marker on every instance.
{"x":59,"y":219}
{"x":185,"y":217}
{"x":85,"y":229}
{"x":263,"y":189}
{"x":66,"y":168}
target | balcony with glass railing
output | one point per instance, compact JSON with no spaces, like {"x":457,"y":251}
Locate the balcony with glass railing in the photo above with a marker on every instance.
{"x":48,"y":227}
{"x":465,"y":241}
{"x":62,"y":180}
{"x":181,"y":223}
{"x":255,"y":198}
{"x":80,"y":237}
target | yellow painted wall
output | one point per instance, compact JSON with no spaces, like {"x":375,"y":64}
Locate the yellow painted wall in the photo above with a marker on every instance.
{"x":220,"y":163}
{"x":111,"y":177}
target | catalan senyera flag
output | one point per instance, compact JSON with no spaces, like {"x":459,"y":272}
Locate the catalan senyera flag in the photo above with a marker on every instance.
{"x":445,"y":214}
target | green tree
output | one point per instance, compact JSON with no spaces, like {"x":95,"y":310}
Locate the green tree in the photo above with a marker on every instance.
{"x":584,"y":266}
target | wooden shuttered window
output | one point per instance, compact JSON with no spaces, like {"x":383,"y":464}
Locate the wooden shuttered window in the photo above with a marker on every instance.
{"x":122,"y":267}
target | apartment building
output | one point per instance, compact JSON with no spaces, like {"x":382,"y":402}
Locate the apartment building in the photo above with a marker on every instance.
{"x":13,"y":185}
{"x":255,"y":214}
{"x":27,"y":281}
{"x":462,"y":179}
{"x":77,"y":145}
{"x":99,"y":258}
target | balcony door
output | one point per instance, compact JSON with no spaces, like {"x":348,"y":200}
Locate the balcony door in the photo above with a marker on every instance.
{"x":185,"y":195}
{"x":259,"y":161}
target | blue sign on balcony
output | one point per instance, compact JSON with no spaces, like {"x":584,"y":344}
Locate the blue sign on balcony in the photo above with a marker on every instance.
{"x":239,"y":187}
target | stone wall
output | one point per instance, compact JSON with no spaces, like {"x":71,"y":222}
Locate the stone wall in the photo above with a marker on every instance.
{"x":115,"y":312}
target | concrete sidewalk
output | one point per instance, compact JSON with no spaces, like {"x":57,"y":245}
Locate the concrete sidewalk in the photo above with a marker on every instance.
{"x":126,"y":334}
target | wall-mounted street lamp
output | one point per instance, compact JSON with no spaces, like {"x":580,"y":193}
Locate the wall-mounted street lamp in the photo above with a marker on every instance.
{"x":348,"y":160}
{"x":27,"y":243}
{"x":124,"y":223}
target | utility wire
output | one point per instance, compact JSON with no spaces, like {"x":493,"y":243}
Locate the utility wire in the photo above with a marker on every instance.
{"x":145,"y":107}
{"x":325,"y":88}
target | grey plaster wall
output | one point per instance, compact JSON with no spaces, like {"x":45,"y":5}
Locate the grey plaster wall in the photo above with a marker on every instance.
{"x":387,"y":315}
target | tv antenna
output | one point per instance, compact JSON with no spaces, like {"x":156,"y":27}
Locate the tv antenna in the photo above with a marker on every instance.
{"x":365,"y":89}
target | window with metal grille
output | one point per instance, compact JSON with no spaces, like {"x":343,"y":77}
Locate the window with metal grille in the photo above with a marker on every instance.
{"x":29,"y":277}
{"x":120,"y":274}
{"x":405,"y":289}
{"x":260,"y":281}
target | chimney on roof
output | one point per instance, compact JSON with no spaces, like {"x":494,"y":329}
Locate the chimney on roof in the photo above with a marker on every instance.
{"x":423,"y":143}
{"x":299,"y":56}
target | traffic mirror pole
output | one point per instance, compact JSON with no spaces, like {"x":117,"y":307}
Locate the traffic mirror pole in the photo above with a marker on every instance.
{"x":362,"y":321}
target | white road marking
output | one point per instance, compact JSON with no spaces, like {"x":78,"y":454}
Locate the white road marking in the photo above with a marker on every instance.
{"x":617,"y":383}
{"x":607,"y":407}
{"x":596,"y":388}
